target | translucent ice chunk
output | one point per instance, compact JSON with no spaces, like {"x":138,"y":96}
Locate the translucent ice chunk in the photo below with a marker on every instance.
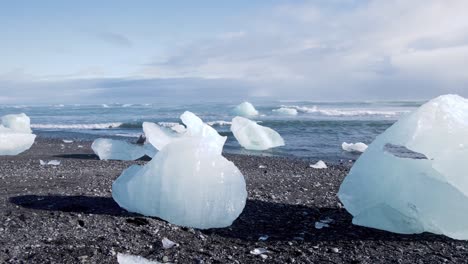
{"x":157,"y":135}
{"x":109,"y":149}
{"x":245,"y":109}
{"x":425,"y":187}
{"x":188,"y":182}
{"x":285,"y":111}
{"x":15,"y":134}
{"x":254,"y":136}
{"x":354,"y":147}
{"x":131,"y":259}
{"x":319,"y":165}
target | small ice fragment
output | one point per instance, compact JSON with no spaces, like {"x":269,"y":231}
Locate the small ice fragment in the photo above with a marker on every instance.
{"x":253,"y":136}
{"x":285,"y":111}
{"x":67,"y":141}
{"x":258,"y":251}
{"x":167,"y":244}
{"x":262,"y":166}
{"x":80,"y":146}
{"x":320,"y":225}
{"x":327,"y":220}
{"x":52,"y":162}
{"x":263,"y":256}
{"x":131,"y":259}
{"x":335,"y":250}
{"x":263,"y":238}
{"x":356,"y":147}
{"x":319,"y":165}
{"x":245,"y":109}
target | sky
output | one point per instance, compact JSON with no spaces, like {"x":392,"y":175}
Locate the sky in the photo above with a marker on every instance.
{"x":142,"y":51}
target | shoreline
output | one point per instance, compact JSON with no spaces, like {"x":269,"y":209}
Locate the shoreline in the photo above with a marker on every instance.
{"x":65,"y":214}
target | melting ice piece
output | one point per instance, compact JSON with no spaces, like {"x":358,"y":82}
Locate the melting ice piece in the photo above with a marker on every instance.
{"x":167,"y":244}
{"x":285,"y":111}
{"x":157,"y":135}
{"x":188,"y":182}
{"x":109,"y":149}
{"x":52,"y":162}
{"x":254,"y":136}
{"x":67,"y":141}
{"x":179,"y":128}
{"x":245,"y":109}
{"x":319,"y":165}
{"x":131,"y":259}
{"x":258,"y":251}
{"x":15,"y":134}
{"x":427,"y":192}
{"x":354,"y":147}
{"x":320,"y":225}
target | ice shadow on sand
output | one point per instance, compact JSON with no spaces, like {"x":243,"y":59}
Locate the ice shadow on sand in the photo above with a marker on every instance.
{"x":281,"y":222}
{"x":91,"y":157}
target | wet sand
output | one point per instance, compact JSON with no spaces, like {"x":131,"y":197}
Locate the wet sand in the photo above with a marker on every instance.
{"x":65,"y":214}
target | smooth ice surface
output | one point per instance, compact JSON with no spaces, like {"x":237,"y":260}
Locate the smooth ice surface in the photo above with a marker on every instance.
{"x":253,"y":136}
{"x":131,"y":259}
{"x":354,"y":147}
{"x":15,"y":134}
{"x":285,"y":111}
{"x":319,"y":165}
{"x":188,"y":182}
{"x":157,"y":135}
{"x":110,"y":149}
{"x":245,"y":109}
{"x":424,"y":191}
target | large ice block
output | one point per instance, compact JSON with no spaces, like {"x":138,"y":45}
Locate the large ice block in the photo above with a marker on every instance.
{"x":253,"y":136}
{"x":109,"y":149}
{"x":413,"y":178}
{"x":15,"y":134}
{"x":245,"y":109}
{"x":188,"y":182}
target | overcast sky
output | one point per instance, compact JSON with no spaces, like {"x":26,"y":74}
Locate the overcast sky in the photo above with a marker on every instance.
{"x":142,"y":51}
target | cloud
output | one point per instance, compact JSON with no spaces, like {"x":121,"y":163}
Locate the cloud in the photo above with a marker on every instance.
{"x":115,"y":39}
{"x":367,"y":49}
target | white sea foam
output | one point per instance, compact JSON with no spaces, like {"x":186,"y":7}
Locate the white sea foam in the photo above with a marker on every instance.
{"x":346,"y":112}
{"x":219,"y":123}
{"x":76,"y":126}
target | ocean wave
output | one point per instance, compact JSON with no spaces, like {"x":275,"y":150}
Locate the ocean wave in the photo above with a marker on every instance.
{"x":77,"y":126}
{"x":219,"y":123}
{"x":346,"y":112}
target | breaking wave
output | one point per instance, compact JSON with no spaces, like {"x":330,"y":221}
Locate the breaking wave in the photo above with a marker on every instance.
{"x":77,"y":126}
{"x":346,"y":112}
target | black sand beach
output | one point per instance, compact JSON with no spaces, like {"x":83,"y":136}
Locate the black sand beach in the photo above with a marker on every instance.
{"x":65,"y":214}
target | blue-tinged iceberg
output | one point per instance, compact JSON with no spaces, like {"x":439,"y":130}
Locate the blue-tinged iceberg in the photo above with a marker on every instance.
{"x":15,"y":134}
{"x":188,"y":182}
{"x":414,"y":177}
{"x":245,"y":109}
{"x":253,"y":136}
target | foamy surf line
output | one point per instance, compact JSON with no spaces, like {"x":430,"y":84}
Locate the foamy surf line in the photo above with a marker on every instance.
{"x":346,"y":112}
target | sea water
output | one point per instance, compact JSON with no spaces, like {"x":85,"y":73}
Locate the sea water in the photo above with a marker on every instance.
{"x":315,"y":133}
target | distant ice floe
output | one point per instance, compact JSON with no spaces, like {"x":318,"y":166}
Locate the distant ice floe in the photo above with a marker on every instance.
{"x":253,"y":136}
{"x":354,"y":147}
{"x":109,"y":149}
{"x":131,"y":259}
{"x":319,"y":165}
{"x":413,"y":177}
{"x":245,"y":109}
{"x":285,"y":111}
{"x":188,"y":182}
{"x":15,"y":134}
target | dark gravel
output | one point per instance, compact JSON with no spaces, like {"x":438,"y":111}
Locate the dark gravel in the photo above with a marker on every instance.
{"x":65,"y":214}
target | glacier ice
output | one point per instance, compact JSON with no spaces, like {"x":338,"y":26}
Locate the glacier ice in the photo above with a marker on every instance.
{"x":110,"y":149}
{"x":188,"y":182}
{"x":413,"y":177}
{"x":167,"y":243}
{"x":52,"y":162}
{"x":253,"y":136}
{"x":354,"y":147}
{"x":15,"y":134}
{"x":285,"y":111}
{"x":319,"y":165}
{"x":245,"y":109}
{"x":131,"y":259}
{"x":157,"y":135}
